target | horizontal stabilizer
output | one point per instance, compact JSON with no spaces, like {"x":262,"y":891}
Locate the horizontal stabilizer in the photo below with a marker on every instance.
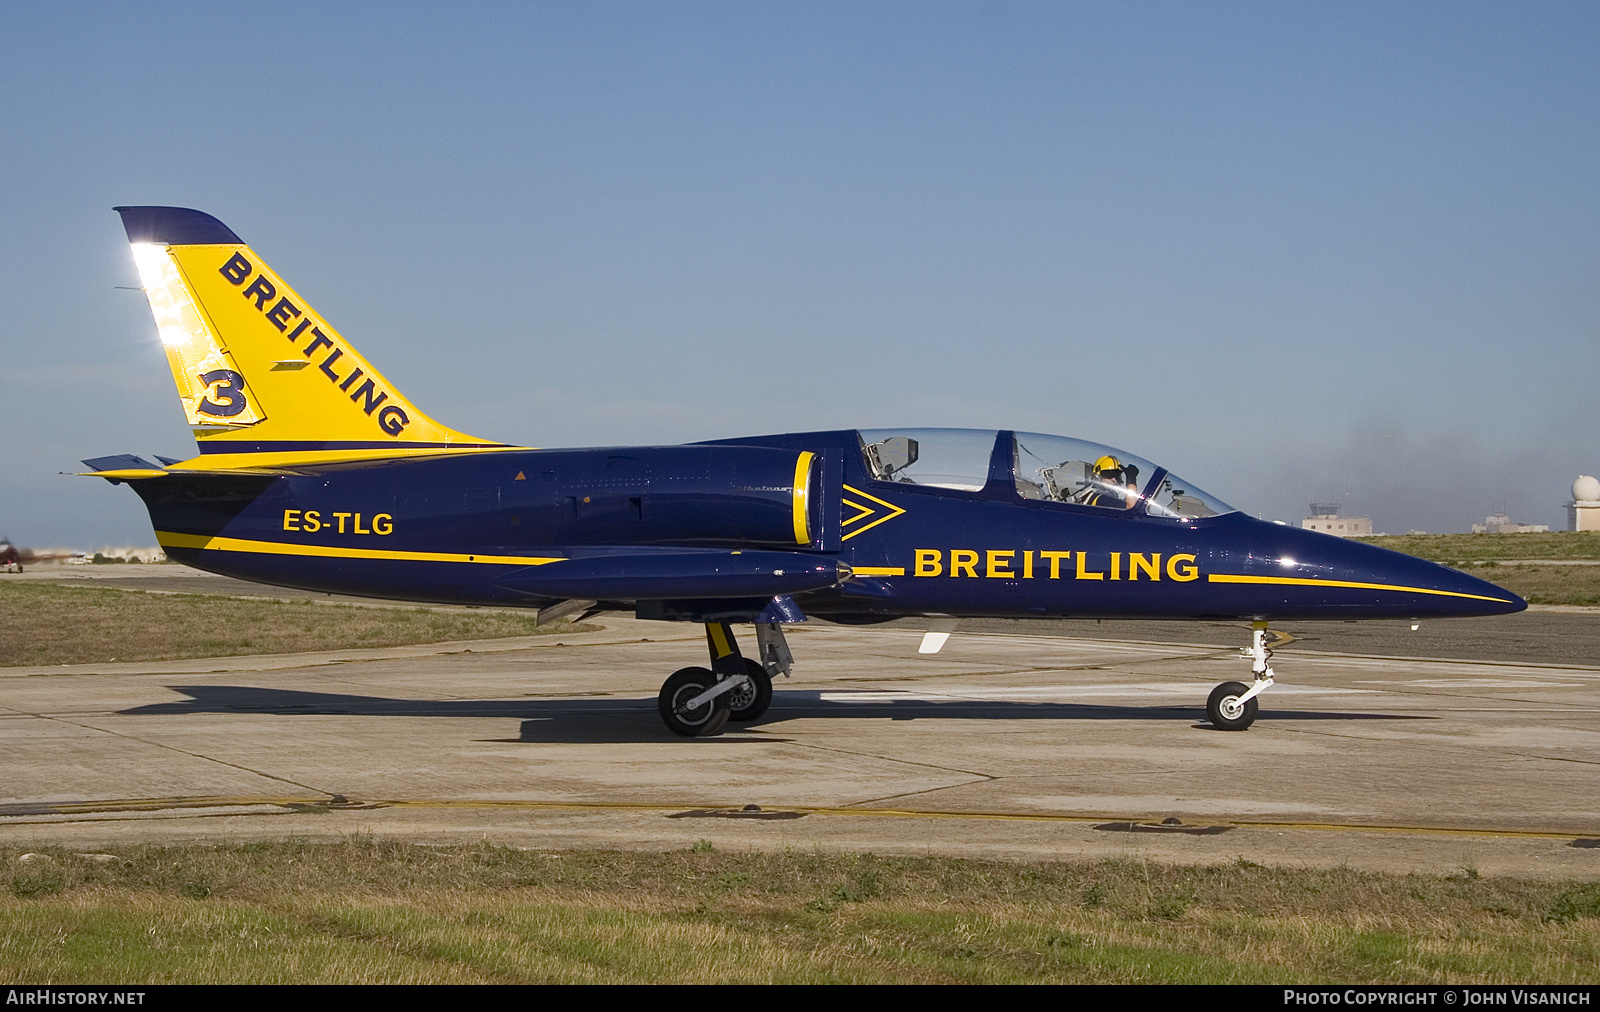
{"x":120,"y":462}
{"x":129,"y":467}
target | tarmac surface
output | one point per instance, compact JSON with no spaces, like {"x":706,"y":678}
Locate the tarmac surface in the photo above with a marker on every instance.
{"x":1463,"y":745}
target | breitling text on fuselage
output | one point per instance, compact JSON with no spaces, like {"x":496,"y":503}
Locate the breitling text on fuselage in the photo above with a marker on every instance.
{"x":1029,"y":564}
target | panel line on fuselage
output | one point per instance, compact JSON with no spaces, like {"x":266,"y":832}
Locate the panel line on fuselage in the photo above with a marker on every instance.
{"x":170,"y":539}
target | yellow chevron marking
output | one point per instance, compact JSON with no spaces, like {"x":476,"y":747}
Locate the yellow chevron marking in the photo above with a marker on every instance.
{"x":1295,"y":581}
{"x":169,"y":539}
{"x":867,"y":511}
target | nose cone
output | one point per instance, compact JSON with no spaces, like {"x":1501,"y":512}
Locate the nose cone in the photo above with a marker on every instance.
{"x":1322,"y":575}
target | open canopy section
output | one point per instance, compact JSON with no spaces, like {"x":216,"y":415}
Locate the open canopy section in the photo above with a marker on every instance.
{"x":941,"y":458}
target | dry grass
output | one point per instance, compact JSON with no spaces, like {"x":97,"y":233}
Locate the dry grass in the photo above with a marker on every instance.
{"x":1497,"y":558}
{"x":47,"y":624}
{"x":371,"y":911}
{"x":1456,"y":549}
{"x":1537,"y":584}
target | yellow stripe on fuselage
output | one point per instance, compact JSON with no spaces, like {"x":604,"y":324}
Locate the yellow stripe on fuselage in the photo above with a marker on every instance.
{"x":169,"y":539}
{"x":1295,"y":581}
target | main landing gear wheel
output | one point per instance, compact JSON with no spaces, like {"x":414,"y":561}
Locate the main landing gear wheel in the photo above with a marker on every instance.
{"x":702,"y":721}
{"x":1225,"y":710}
{"x":750,"y":702}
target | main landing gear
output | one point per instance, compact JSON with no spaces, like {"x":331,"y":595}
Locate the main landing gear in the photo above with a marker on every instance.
{"x":698,"y":702}
{"x":1232,"y":705}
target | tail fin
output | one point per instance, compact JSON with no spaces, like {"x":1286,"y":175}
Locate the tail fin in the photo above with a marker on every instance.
{"x":264,"y":380}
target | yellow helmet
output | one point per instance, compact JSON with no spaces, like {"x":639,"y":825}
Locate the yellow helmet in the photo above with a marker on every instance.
{"x":1108,"y":463}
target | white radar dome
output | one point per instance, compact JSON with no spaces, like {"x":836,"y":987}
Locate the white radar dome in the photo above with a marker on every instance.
{"x":1586,"y":488}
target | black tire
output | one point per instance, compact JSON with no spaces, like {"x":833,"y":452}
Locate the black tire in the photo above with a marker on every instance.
{"x":704,"y":720}
{"x":1223,"y":708}
{"x":752,"y":701}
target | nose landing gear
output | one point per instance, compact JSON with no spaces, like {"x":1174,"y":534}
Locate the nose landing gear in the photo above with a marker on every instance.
{"x":1232,"y":705}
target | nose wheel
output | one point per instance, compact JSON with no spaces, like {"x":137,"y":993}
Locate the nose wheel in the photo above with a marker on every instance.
{"x":1227,"y":708}
{"x":1232,"y":706}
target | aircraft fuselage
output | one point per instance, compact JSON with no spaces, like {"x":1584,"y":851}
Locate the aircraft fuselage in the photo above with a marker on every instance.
{"x":706,"y":531}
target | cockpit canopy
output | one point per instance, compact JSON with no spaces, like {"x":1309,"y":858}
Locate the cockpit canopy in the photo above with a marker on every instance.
{"x":1046,"y":468}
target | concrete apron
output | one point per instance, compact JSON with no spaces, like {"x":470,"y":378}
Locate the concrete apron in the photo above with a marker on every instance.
{"x":1032,"y":747}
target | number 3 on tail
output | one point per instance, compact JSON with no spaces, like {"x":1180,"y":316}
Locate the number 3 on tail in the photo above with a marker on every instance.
{"x":228,"y":387}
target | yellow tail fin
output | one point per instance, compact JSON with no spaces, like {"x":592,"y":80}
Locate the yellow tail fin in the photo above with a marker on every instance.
{"x":264,"y":380}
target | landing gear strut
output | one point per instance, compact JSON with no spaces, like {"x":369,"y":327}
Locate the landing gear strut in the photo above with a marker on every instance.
{"x":697,"y":703}
{"x":1232,"y":705}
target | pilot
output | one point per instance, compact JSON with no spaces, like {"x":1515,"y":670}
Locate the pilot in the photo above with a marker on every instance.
{"x":1116,"y":484}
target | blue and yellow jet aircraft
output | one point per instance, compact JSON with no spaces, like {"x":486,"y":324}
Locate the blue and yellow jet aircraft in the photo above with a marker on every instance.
{"x":314,"y":472}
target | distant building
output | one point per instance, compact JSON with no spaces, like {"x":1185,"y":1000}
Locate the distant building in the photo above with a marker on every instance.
{"x":1325,"y":518}
{"x":1499,"y":523}
{"x":1583,"y":512}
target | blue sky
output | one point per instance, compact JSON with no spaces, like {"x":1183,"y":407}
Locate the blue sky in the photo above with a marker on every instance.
{"x":1292,"y":251}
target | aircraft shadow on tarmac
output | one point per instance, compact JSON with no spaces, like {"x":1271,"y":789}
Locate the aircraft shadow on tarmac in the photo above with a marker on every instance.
{"x":598,"y":719}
